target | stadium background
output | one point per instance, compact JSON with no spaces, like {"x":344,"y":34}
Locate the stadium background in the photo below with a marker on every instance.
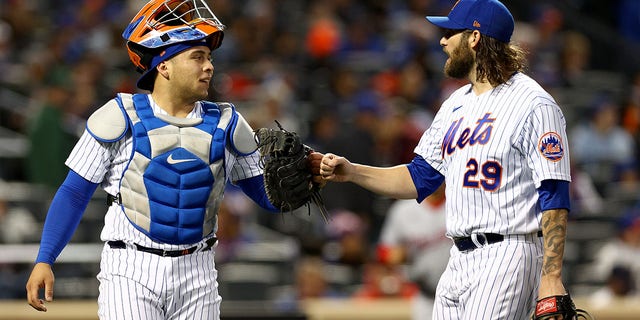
{"x":359,"y":78}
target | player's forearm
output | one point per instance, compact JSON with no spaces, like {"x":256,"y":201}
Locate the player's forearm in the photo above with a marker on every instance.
{"x":64,"y":215}
{"x":394,"y":182}
{"x":554,"y":229}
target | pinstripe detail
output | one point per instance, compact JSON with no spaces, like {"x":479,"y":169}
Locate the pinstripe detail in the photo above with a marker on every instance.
{"x":523,"y":112}
{"x":498,"y":281}
{"x":493,"y":282}
{"x":169,"y":288}
{"x":139,"y":285}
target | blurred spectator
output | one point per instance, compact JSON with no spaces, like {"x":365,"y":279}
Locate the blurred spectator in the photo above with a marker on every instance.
{"x":601,"y":147}
{"x":362,"y":126}
{"x":414,"y":234}
{"x":585,"y":199}
{"x":323,"y":34}
{"x":17,"y":224}
{"x":12,"y":281}
{"x":347,"y":243}
{"x":545,"y":53}
{"x":274,"y":99}
{"x":631,"y":113}
{"x":619,"y":284}
{"x":20,"y":15}
{"x":49,"y":138}
{"x":381,"y":280}
{"x":575,"y":56}
{"x":310,"y":282}
{"x":311,"y":279}
{"x":233,"y":232}
{"x":631,"y":116}
{"x":623,"y":250}
{"x":526,"y":36}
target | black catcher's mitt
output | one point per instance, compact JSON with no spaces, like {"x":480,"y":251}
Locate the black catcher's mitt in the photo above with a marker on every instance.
{"x":287,"y":171}
{"x":559,"y":305}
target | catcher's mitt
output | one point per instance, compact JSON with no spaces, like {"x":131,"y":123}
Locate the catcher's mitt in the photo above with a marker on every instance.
{"x":287,"y":172}
{"x":563,"y":305}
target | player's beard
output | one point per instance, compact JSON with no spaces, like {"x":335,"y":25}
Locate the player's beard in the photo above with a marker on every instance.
{"x":461,"y":62}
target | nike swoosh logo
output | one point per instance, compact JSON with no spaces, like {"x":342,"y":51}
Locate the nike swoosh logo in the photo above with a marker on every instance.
{"x":456,"y":108}
{"x":171,"y":160}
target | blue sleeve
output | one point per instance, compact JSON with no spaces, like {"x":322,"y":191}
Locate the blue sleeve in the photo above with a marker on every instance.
{"x":64,"y":215}
{"x":424,"y":176}
{"x":554,"y":194}
{"x":254,"y":188}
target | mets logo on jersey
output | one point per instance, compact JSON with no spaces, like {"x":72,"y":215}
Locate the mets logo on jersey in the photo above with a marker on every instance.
{"x":550,"y":146}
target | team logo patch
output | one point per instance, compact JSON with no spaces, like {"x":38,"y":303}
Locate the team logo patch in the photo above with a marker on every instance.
{"x":550,"y":146}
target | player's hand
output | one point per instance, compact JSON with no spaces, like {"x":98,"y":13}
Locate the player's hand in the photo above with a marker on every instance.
{"x":41,"y":277}
{"x":315,"y":158}
{"x":551,"y":286}
{"x":335,"y":168}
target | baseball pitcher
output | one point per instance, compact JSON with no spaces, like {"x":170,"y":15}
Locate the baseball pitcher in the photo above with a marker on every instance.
{"x":500,"y":145}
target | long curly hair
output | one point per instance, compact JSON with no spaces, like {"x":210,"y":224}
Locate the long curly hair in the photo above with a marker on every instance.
{"x":498,"y":61}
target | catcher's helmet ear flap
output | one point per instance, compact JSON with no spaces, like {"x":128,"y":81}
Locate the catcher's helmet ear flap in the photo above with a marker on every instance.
{"x":161,"y":23}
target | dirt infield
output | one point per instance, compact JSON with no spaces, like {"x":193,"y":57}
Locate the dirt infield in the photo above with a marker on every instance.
{"x":315,"y":310}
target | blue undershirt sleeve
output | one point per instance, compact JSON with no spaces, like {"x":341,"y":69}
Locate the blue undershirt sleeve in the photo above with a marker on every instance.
{"x":424,"y":176}
{"x":254,"y":188}
{"x":554,"y":194}
{"x":64,"y":215}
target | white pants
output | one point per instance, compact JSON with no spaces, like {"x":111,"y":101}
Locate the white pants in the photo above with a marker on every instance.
{"x":136,"y":285}
{"x":495,"y":282}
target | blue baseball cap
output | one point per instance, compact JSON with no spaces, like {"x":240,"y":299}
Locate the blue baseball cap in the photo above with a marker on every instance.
{"x":490,"y":17}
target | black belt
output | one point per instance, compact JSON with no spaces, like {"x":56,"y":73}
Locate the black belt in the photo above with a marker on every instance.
{"x":467,"y":243}
{"x":114,"y":199}
{"x":164,"y":253}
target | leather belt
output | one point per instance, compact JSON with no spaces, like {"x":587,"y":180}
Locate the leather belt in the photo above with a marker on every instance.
{"x":164,"y":253}
{"x":478,"y":240}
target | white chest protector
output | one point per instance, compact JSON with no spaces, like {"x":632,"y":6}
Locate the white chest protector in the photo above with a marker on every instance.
{"x":175,"y":179}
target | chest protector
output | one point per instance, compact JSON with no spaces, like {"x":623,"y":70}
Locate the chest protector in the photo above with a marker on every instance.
{"x":172,"y":187}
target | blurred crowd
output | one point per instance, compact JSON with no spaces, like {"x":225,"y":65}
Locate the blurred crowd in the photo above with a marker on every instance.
{"x":359,"y":78}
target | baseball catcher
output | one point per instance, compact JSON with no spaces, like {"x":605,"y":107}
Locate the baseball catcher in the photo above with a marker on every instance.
{"x":288,"y":178}
{"x":551,"y":307}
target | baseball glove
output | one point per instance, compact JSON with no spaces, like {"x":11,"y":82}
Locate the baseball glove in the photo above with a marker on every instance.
{"x":563,"y":305}
{"x":288,"y":179}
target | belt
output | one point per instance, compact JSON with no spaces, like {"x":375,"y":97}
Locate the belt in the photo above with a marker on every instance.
{"x":164,"y":253}
{"x":114,"y":199}
{"x":478,"y":240}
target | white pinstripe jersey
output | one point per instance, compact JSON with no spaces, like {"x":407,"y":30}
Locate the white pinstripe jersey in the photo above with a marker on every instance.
{"x":494,"y":150}
{"x":104,"y":163}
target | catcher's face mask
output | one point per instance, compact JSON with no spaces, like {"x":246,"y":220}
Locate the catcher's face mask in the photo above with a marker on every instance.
{"x":161,"y":23}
